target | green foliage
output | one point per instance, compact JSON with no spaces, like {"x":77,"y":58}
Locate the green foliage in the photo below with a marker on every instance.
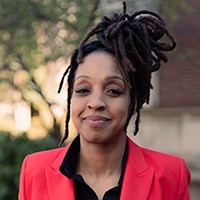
{"x":12,"y":152}
{"x":43,"y":29}
{"x":32,"y":33}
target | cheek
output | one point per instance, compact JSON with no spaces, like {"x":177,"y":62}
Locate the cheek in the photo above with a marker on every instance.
{"x":123,"y":108}
{"x":77,"y":108}
{"x":74,"y":116}
{"x":74,"y":108}
{"x":127,"y":108}
{"x":127,"y":103}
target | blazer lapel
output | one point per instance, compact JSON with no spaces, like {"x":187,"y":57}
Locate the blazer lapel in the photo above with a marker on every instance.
{"x":59,"y":186}
{"x":138,"y":176}
{"x":137,"y":181}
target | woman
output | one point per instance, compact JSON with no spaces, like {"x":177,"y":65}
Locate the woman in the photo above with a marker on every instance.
{"x":109,"y":79}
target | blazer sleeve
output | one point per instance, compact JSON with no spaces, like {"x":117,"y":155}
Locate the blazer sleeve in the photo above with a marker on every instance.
{"x":22,"y":189}
{"x":184,"y":181}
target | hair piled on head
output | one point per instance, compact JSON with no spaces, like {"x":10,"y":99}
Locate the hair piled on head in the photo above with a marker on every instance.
{"x":135,"y":41}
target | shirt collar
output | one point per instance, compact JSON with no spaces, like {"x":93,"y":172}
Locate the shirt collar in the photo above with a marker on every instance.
{"x":68,"y":166}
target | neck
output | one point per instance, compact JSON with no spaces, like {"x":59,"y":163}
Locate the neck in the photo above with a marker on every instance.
{"x":99,"y":160}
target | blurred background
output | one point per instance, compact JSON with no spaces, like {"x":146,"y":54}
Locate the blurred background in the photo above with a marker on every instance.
{"x":37,"y":38}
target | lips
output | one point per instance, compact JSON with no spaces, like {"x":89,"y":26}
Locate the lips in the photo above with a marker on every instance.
{"x":96,"y":121}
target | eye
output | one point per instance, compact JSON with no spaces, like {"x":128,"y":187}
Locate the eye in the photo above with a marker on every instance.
{"x":114,"y":92}
{"x":82,"y":91}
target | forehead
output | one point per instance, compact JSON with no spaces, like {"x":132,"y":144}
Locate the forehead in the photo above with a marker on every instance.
{"x":99,"y":63}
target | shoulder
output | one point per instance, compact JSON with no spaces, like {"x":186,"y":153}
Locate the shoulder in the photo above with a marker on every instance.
{"x":157,"y":158}
{"x":153,"y":157}
{"x":169,"y":172}
{"x":45,"y":156}
{"x":163,"y":164}
{"x":40,"y":160}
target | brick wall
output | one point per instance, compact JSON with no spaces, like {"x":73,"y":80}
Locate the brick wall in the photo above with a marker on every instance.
{"x":180,"y":77}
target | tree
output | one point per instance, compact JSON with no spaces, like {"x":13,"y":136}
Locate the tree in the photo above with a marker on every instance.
{"x":12,"y":152}
{"x":33,"y":33}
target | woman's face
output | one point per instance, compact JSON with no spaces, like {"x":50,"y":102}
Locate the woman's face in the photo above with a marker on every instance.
{"x":100,"y":99}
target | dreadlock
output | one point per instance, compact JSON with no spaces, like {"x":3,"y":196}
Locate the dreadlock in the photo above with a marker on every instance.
{"x":135,"y":42}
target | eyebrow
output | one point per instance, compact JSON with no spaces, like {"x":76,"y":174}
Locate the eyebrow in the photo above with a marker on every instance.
{"x":107,"y":78}
{"x":82,"y":76}
{"x":114,"y":77}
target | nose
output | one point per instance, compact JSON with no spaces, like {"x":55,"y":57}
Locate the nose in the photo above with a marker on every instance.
{"x":96,"y":102}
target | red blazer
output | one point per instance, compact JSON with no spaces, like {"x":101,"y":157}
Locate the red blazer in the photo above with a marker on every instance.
{"x":149,"y":175}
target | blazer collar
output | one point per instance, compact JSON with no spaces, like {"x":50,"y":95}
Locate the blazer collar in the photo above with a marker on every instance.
{"x":137,"y":180}
{"x":59,"y":186}
{"x":138,"y":176}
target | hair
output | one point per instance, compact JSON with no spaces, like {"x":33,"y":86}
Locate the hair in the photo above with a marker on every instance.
{"x":135,"y":41}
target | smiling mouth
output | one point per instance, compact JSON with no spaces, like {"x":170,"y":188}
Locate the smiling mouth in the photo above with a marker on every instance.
{"x":96,"y":121}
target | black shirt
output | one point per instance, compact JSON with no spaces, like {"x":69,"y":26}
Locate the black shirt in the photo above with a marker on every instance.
{"x":82,"y":190}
